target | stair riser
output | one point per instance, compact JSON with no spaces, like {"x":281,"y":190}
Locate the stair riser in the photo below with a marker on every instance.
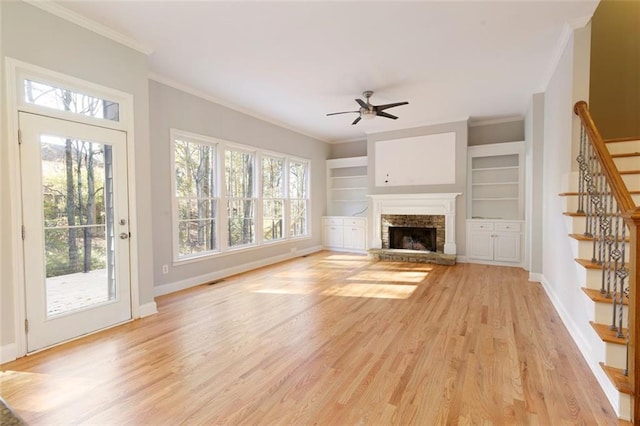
{"x":571,"y":202}
{"x":623,"y":147}
{"x":632,"y":181}
{"x":627,"y":163}
{"x":616,"y":355}
{"x":585,"y":250}
{"x":603,"y":313}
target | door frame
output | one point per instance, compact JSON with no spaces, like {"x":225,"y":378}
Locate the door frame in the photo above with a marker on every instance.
{"x":16,"y":72}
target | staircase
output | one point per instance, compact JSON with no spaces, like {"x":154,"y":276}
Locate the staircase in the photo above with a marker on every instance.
{"x":601,"y":207}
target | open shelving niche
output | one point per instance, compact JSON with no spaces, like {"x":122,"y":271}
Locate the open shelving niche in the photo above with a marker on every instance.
{"x":347,"y":187}
{"x":496,"y":181}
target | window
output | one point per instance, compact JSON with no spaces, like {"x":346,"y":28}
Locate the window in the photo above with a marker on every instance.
{"x":195,"y":199}
{"x":230,"y":197}
{"x":63,"y":99}
{"x":240,"y":203}
{"x":298,"y":197}
{"x":272,"y":198}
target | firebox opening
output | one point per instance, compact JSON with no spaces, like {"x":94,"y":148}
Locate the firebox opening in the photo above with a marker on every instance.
{"x":408,"y":238}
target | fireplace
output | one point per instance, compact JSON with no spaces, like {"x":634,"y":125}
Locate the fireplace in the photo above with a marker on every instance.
{"x":416,"y":210}
{"x":410,"y":238}
{"x":398,"y":230}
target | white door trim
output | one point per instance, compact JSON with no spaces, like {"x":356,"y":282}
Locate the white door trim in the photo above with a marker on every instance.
{"x":15,"y":71}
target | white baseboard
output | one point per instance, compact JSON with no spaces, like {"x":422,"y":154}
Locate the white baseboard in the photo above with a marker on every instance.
{"x":584,"y":347}
{"x":147,"y":309}
{"x":8,"y":353}
{"x":216,"y":275}
{"x":461,"y":259}
{"x":537,"y":278}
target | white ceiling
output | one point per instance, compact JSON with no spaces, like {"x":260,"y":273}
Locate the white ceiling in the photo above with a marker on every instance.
{"x":293,"y":62}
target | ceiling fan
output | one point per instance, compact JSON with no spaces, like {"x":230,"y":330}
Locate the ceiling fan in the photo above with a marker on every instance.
{"x":368,"y":111}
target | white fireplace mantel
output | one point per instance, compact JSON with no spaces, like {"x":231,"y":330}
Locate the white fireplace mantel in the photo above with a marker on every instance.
{"x":419,"y":204}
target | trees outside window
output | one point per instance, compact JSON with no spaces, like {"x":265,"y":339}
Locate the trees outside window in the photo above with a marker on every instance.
{"x":239,"y":181}
{"x":272,"y":198}
{"x":298,"y":197}
{"x":229,"y":196}
{"x":195,"y":196}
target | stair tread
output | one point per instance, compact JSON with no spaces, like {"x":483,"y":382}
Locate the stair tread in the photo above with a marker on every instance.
{"x":582,"y":237}
{"x":608,"y":335}
{"x":575,"y":193}
{"x":582,"y":214}
{"x":589,"y":264}
{"x":596,"y":296}
{"x":617,"y":377}
{"x":626,"y":154}
{"x":627,"y":139}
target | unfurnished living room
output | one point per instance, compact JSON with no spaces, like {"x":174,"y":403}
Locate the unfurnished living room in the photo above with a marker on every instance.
{"x":319,"y":212}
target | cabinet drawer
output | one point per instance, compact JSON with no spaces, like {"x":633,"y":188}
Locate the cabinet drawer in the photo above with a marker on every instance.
{"x":508,"y":226}
{"x":481,"y":226}
{"x":333,"y":221}
{"x":354,"y":222}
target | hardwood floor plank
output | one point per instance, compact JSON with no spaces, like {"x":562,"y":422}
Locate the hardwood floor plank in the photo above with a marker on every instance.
{"x":331,"y":338}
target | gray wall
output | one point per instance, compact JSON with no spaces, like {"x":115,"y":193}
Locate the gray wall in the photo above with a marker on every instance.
{"x":614,"y":92}
{"x":172,"y":108}
{"x":28,"y":35}
{"x":534,"y":150}
{"x":460,"y":185}
{"x":348,"y":149}
{"x":508,"y":131}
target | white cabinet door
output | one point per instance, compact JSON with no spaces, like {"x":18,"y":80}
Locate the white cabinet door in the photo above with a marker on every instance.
{"x":481,"y":245}
{"x":333,"y":236}
{"x":507,"y":247}
{"x":354,"y":237}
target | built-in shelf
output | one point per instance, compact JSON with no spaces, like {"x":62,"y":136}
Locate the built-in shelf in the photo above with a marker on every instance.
{"x":347,"y":186}
{"x":496,"y":181}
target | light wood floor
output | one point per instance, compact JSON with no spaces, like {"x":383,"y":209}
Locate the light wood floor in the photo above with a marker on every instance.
{"x":329,"y":339}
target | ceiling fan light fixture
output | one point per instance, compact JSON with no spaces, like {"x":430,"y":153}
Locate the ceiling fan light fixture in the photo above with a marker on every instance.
{"x":368,"y":114}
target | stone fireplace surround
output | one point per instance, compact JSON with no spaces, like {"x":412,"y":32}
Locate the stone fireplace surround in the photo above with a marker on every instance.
{"x":443,"y":204}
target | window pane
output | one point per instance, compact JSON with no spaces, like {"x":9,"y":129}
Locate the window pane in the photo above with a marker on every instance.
{"x":298,"y":217}
{"x":196,"y":236}
{"x":196,"y":204}
{"x":241,"y":222}
{"x":192,"y":208}
{"x":63,"y":99}
{"x":272,"y":177}
{"x":195,"y":169}
{"x":297,"y":180}
{"x":239,"y":174}
{"x":272,"y":219}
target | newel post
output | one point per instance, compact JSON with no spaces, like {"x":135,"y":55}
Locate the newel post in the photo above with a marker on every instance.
{"x":632,"y":218}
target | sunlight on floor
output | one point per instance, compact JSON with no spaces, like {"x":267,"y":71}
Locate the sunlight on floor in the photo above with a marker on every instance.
{"x":52,"y":391}
{"x":376,"y":291}
{"x":390,"y":276}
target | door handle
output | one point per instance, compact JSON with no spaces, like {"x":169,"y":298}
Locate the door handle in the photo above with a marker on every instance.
{"x":124,"y":235}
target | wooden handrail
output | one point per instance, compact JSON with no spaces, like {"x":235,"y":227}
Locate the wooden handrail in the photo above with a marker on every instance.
{"x":631,"y":214}
{"x":618,"y":187}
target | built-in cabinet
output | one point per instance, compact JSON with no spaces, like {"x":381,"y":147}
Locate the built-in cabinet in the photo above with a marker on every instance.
{"x":495,"y":203}
{"x":344,"y":227}
{"x":498,"y":241}
{"x":344,"y":233}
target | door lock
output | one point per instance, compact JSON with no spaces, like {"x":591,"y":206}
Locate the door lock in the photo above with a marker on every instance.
{"x":124,"y":235}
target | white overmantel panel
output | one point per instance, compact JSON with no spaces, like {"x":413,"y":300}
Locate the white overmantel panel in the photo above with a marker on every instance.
{"x":418,"y":204}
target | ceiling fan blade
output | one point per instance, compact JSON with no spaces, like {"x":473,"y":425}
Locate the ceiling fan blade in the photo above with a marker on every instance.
{"x":356,"y":121}
{"x":386,"y":115}
{"x":386,"y":106}
{"x":343,"y":112}
{"x":362,"y":103}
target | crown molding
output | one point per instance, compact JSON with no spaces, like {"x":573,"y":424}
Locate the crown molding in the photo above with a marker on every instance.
{"x":84,"y":22}
{"x":567,"y":31}
{"x":210,"y":98}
